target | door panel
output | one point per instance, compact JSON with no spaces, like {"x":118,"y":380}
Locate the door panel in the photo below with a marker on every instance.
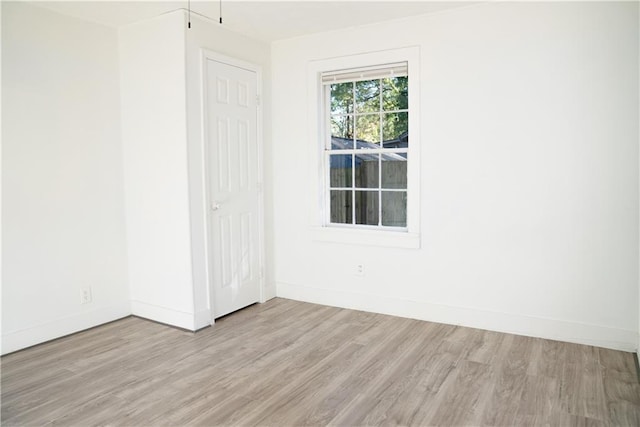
{"x":231,"y":114}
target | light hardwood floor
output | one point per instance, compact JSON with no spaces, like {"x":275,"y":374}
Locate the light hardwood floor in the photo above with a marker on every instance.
{"x":288,"y":363}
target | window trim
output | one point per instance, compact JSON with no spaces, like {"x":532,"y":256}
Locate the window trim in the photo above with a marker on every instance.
{"x":403,"y":237}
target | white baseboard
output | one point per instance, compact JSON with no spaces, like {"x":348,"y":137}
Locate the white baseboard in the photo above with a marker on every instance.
{"x":269,"y":292}
{"x":17,"y":340}
{"x":202,"y":319}
{"x":560,"y":330}
{"x":164,"y":315}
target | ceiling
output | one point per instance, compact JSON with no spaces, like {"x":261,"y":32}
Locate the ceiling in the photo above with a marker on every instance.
{"x":261,"y":20}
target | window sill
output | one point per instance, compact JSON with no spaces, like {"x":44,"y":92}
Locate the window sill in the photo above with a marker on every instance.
{"x":351,"y":236}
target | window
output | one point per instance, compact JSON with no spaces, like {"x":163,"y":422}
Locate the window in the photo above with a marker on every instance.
{"x":363,"y":111}
{"x":366,"y":146}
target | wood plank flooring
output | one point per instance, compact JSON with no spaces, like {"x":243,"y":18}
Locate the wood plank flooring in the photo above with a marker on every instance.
{"x":288,"y":363}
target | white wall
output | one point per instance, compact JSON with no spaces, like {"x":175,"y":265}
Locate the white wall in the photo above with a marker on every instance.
{"x":529,"y":173}
{"x":62,"y":194}
{"x":210,"y":35}
{"x":153,"y":76}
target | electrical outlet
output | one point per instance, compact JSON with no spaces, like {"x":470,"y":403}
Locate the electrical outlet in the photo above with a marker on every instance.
{"x":85,"y":295}
{"x":359,"y":269}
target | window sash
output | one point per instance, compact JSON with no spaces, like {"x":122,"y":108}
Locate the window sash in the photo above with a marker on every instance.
{"x":353,"y":189}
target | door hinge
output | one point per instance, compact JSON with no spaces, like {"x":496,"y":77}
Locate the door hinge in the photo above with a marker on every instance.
{"x":257,"y":99}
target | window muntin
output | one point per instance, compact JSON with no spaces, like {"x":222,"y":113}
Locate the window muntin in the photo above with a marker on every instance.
{"x":366,"y":150}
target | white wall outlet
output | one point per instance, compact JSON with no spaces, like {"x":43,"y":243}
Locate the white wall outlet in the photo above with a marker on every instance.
{"x":359,"y":269}
{"x":85,"y":295}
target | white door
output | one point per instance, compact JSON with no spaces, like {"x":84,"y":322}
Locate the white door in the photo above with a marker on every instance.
{"x":234,"y":186}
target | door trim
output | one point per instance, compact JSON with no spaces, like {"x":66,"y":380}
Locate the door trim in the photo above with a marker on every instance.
{"x":205,"y":55}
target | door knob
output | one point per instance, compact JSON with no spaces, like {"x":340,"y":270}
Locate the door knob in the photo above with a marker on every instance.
{"x":215,"y":206}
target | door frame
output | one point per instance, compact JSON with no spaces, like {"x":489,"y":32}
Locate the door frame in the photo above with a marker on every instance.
{"x":206,"y":55}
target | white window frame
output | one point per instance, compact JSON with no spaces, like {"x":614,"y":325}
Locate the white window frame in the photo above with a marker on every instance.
{"x":322,"y":230}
